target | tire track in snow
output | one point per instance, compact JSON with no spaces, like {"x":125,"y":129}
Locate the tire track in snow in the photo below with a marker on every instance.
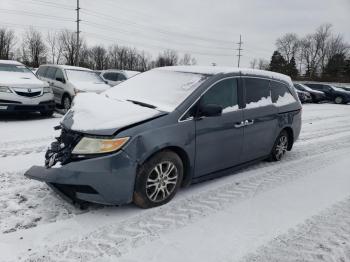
{"x":20,"y":208}
{"x":324,"y":237}
{"x":39,"y":200}
{"x":117,"y":239}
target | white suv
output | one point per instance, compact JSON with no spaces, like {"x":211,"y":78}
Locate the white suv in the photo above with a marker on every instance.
{"x":67,"y":81}
{"x":21,"y":90}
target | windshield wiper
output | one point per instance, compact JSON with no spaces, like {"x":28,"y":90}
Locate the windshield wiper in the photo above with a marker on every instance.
{"x":142,"y":104}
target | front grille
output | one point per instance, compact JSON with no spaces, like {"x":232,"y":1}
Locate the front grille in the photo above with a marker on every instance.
{"x":62,"y":148}
{"x":32,"y":94}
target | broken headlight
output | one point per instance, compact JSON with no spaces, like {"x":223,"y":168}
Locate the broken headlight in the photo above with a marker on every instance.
{"x":89,"y":145}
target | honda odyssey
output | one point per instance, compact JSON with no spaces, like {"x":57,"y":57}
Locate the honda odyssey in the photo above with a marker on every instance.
{"x":167,"y":128}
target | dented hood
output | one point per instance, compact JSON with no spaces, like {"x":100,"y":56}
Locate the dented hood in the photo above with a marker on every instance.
{"x":98,"y":114}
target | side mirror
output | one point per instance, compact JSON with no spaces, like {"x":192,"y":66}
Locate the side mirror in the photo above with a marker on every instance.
{"x":210,"y":110}
{"x":60,"y":79}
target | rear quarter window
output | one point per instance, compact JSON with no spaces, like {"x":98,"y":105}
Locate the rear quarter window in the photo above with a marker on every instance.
{"x":280,"y":94}
{"x":257,"y":92}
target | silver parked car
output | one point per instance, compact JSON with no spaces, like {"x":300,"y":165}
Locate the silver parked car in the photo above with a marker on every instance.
{"x":114,"y":77}
{"x":67,"y":81}
{"x":21,"y":90}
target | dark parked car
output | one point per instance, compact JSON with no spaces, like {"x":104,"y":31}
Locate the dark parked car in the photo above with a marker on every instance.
{"x":304,"y":97}
{"x":317,"y":96}
{"x":169,"y":127}
{"x":336,"y":94}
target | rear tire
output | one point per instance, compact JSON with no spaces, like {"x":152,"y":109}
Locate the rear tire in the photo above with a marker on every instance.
{"x":66,"y":102}
{"x":280,"y":147}
{"x":338,"y":100}
{"x":158,"y":180}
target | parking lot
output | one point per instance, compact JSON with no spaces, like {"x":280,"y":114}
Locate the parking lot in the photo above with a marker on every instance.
{"x":297,"y":208}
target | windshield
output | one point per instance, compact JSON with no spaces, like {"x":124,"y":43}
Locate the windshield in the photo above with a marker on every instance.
{"x":83,"y":76}
{"x":306,"y":88}
{"x":164,"y":90}
{"x":338,"y":89}
{"x":14,"y":68}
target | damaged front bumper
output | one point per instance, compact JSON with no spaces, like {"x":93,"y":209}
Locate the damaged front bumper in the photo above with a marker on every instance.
{"x":106,"y":180}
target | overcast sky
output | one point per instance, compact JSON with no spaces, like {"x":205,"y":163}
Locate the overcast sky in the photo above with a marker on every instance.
{"x":209,"y":30}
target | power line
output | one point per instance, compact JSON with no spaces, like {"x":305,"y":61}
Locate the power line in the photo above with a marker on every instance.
{"x":153,"y":28}
{"x":33,"y":14}
{"x":239,"y":49}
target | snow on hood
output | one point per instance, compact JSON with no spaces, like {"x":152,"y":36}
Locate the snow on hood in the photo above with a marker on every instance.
{"x":93,"y":112}
{"x":19,"y":79}
{"x":90,"y":86}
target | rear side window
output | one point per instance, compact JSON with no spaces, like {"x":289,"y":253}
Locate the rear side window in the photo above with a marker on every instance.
{"x":59,"y":74}
{"x":111,"y":76}
{"x":42,"y":71}
{"x":121,"y":77}
{"x":281,"y":94}
{"x":224,"y":94}
{"x":257,"y":92}
{"x":51,"y":72}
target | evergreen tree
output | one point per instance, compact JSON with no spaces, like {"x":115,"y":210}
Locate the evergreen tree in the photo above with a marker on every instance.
{"x":278,"y":63}
{"x":336,"y":67}
{"x":292,"y":70}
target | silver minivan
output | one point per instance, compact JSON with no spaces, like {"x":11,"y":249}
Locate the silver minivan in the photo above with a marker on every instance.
{"x":67,"y":81}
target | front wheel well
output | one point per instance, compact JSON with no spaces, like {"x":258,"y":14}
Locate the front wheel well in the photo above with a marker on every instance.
{"x":185,"y":161}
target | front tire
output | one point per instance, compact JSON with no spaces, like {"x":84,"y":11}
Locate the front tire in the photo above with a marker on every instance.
{"x":280,"y":147}
{"x":158,"y":180}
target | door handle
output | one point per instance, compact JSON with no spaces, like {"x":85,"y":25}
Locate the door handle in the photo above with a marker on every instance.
{"x":248,"y":122}
{"x":239,"y":125}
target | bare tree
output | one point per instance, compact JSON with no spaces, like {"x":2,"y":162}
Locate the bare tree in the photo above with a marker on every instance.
{"x":187,"y":59}
{"x":263,"y":64}
{"x":98,"y":56}
{"x":288,"y":46}
{"x":314,"y":49}
{"x":68,"y":43}
{"x":254,"y":63}
{"x":34,"y":48}
{"x":167,"y":58}
{"x":7,"y":42}
{"x":52,"y":39}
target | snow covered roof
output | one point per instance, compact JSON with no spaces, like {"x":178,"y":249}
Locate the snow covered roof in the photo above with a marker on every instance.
{"x":213,"y":70}
{"x":10,"y":62}
{"x":128,"y":73}
{"x":69,"y":67}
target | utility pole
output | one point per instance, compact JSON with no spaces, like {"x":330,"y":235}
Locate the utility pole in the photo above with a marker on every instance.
{"x":78,"y":33}
{"x":239,"y":49}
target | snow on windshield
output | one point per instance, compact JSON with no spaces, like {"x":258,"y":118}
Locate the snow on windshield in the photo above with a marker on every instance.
{"x":14,"y":68}
{"x":162,"y":89}
{"x":83,"y":76}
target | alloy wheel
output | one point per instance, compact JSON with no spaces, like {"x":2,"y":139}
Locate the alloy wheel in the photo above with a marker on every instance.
{"x":66,"y":103}
{"x":161,"y":181}
{"x":338,"y":100}
{"x":281,"y":147}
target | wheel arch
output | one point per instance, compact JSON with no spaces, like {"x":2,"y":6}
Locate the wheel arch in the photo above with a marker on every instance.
{"x":187,"y":168}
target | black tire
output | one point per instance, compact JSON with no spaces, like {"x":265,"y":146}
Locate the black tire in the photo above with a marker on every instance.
{"x":280,"y":146}
{"x":151,"y":189}
{"x":338,"y":100}
{"x":66,"y":102}
{"x":47,"y":113}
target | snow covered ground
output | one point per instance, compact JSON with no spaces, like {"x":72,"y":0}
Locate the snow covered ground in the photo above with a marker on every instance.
{"x":294,"y":210}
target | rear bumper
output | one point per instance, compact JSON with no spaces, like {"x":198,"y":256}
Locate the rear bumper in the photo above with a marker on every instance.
{"x":18,"y":107}
{"x":105,"y":180}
